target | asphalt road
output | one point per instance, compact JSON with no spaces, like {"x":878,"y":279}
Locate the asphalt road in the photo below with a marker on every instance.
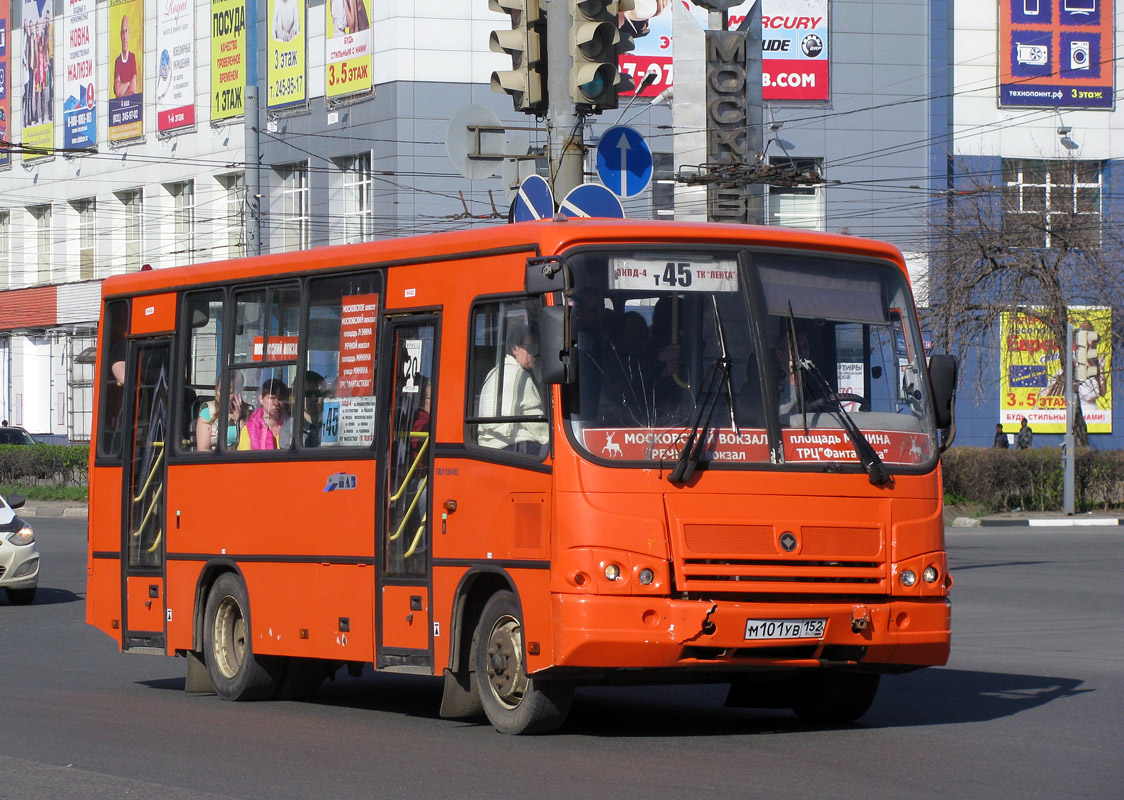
{"x":1031,"y":705}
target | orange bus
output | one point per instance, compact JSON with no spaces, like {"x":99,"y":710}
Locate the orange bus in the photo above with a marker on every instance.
{"x":524,"y":459}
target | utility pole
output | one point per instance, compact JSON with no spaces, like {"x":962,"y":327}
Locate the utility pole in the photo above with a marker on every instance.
{"x":566,"y":129}
{"x":1069,"y":460}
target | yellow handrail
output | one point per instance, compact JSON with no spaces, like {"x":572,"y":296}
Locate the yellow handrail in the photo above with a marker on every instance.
{"x":152,"y":471}
{"x":417,"y":538}
{"x":410,"y":510}
{"x":151,"y":510}
{"x":413,"y":467}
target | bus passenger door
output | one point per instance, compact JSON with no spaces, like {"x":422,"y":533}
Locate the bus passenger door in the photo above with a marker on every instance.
{"x":148,"y":436}
{"x":403,"y":592}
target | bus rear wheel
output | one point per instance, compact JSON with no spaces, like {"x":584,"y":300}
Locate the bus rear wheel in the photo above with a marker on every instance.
{"x":514,"y":702}
{"x":834,"y":697}
{"x":236,"y":673}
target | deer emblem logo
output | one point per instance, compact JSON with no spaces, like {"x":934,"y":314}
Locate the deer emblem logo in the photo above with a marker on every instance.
{"x":611,"y":448}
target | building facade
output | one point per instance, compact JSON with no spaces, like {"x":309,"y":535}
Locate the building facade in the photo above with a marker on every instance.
{"x":247,"y":126}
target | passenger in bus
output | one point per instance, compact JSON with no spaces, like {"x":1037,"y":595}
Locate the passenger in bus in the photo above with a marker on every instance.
{"x":269,"y":426}
{"x":313,"y":410}
{"x":510,"y":390}
{"x":208,"y":422}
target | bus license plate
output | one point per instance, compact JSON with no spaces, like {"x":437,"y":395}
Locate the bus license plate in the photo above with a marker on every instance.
{"x":785,"y":628}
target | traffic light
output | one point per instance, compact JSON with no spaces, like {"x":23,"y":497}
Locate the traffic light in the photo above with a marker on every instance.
{"x":526,"y":44}
{"x":595,"y":44}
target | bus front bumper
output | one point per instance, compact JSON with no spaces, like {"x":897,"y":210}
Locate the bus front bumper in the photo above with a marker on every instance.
{"x":597,"y":631}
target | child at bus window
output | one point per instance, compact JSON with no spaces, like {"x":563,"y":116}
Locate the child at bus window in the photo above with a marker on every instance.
{"x":267,"y":427}
{"x":208,"y":422}
{"x":510,"y":391}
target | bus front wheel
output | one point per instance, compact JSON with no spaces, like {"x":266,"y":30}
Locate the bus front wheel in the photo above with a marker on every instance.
{"x":834,"y":697}
{"x":236,"y":673}
{"x":514,"y":702}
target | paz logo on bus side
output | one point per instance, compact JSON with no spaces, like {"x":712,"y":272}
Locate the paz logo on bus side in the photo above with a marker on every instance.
{"x":341,"y":480}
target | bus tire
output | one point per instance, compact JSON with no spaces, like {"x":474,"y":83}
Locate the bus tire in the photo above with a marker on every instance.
{"x":236,"y":673}
{"x":514,"y":702}
{"x":834,"y":697}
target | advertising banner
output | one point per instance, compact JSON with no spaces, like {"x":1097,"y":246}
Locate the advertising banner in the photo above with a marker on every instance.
{"x":38,"y":78}
{"x":79,"y":115}
{"x":347,"y":59}
{"x":175,"y":65}
{"x":1057,"y":53}
{"x":228,"y":58}
{"x":126,"y":73}
{"x":5,"y":75}
{"x":286,"y":53}
{"x":1032,"y":375}
{"x":795,"y":63}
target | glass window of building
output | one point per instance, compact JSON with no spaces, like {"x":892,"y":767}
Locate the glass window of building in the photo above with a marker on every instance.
{"x":133,"y":228}
{"x":42,"y":217}
{"x":1049,"y":203}
{"x":793,"y":202}
{"x":183,"y":222}
{"x":357,"y":211}
{"x":5,"y":249}
{"x":294,"y":205}
{"x":663,"y":186}
{"x":87,"y":237}
{"x":234,"y":188}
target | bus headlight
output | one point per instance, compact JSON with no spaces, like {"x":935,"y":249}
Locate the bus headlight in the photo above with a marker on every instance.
{"x":908,"y":578}
{"x":612,"y":572}
{"x":646,"y":576}
{"x":930,"y":574}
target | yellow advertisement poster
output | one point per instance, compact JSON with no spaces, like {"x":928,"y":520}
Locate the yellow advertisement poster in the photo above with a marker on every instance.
{"x":347,"y":60}
{"x":228,"y":58}
{"x":1031,"y":377}
{"x":286,"y":54}
{"x":126,"y":71}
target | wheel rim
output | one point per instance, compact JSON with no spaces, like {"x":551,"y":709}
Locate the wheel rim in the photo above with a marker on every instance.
{"x":506,"y":676}
{"x":230,"y":637}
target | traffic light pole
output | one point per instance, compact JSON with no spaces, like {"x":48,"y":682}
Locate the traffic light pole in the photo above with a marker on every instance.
{"x":565,"y":125}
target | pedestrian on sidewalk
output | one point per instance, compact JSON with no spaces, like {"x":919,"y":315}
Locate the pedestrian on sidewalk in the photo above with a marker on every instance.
{"x":1025,"y":437}
{"x":1000,"y":437}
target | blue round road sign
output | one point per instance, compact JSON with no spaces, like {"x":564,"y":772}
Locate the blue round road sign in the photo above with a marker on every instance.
{"x":591,"y":200}
{"x":624,"y":161}
{"x":534,"y":200}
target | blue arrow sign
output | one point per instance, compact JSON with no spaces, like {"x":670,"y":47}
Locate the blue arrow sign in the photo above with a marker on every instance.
{"x":591,"y":200}
{"x":624,"y":161}
{"x":533,"y":201}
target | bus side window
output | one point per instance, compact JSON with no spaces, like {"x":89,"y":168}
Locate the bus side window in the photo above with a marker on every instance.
{"x":337,"y":395}
{"x":506,"y":407}
{"x":201,"y":426}
{"x":116,"y":321}
{"x":262,"y":367}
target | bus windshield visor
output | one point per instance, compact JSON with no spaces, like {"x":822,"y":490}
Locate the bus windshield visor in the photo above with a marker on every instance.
{"x":758,"y":356}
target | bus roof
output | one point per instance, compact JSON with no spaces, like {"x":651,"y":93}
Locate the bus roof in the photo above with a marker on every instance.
{"x":546,"y":237}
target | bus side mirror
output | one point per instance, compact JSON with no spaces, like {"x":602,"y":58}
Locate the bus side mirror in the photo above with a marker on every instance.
{"x":556,"y":349}
{"x":546,"y":275}
{"x":942,"y":374}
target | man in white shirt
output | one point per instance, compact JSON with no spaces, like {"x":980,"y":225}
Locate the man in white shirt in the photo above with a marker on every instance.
{"x":510,"y":391}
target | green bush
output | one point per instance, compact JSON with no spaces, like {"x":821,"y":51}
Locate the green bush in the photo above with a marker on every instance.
{"x":44,"y":464}
{"x":1003,"y":480}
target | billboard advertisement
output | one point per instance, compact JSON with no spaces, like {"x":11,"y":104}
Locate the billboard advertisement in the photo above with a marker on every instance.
{"x":286,"y":54}
{"x":126,"y":78}
{"x":5,"y":74}
{"x":347,"y":60}
{"x":228,"y":58}
{"x":794,"y":43}
{"x":1032,"y":375}
{"x":38,"y":78}
{"x":79,"y":113}
{"x":1057,"y":53}
{"x":175,"y":65}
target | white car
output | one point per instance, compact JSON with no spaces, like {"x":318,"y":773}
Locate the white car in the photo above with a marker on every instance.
{"x":19,"y":557}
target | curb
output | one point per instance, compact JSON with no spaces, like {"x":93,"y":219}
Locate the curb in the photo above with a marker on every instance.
{"x":1061,"y":522}
{"x":47,"y":511}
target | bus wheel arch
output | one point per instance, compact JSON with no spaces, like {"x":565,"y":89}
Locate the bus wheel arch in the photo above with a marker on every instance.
{"x":236,"y":672}
{"x":461,"y":696}
{"x":513,"y":701}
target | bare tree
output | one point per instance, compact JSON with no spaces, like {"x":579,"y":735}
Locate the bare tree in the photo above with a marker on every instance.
{"x":1034,"y":240}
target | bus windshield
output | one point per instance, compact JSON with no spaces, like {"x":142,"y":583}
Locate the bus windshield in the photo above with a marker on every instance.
{"x":766,"y":356}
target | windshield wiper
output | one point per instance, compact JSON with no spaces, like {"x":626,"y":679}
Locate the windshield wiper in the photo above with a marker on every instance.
{"x":871,"y":462}
{"x":719,"y":371}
